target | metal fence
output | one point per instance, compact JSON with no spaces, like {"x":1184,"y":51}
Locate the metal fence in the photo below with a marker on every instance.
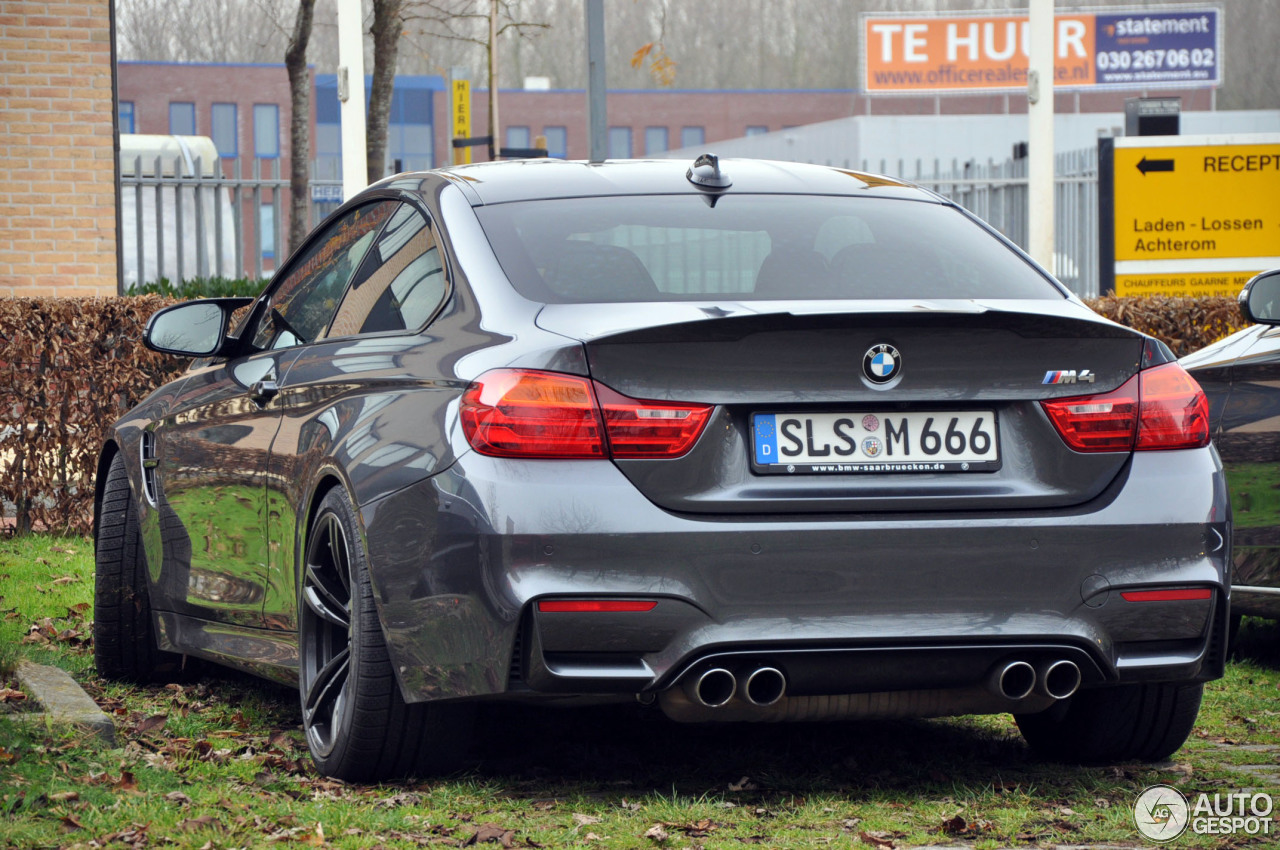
{"x":996,"y":192}
{"x":182,"y":218}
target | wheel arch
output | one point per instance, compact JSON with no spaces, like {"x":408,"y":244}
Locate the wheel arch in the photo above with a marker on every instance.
{"x":108,"y":453}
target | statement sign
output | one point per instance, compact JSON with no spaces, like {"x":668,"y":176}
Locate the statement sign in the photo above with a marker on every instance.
{"x":1130,"y":48}
{"x":1194,"y":215}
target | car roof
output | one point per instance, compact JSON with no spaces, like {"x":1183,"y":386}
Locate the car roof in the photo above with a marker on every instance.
{"x":532,"y":179}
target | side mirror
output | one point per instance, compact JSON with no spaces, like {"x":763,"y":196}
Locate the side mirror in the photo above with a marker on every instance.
{"x":194,"y":328}
{"x":1260,"y":298}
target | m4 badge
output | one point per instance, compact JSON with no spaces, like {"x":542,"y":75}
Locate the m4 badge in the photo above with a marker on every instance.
{"x":1070,"y":376}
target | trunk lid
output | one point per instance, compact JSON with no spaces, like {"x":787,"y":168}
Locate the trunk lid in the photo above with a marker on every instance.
{"x":803,"y":363}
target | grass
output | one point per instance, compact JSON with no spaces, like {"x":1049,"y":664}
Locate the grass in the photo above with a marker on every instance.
{"x":221,"y":763}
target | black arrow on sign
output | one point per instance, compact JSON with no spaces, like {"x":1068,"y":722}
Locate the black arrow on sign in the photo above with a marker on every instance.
{"x":1145,"y":165}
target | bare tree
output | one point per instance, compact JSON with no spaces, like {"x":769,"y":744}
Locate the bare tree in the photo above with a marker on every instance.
{"x":295,"y":61}
{"x":464,"y":22}
{"x":387,"y":25}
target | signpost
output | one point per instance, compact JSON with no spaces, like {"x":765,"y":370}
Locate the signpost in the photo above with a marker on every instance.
{"x":1188,"y":215}
{"x":1156,"y":47}
{"x":461,"y":91}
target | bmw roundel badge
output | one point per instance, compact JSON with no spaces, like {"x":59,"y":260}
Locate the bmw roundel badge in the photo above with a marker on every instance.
{"x":882,"y":363}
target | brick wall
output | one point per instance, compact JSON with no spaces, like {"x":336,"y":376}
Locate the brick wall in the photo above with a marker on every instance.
{"x":57,"y":178}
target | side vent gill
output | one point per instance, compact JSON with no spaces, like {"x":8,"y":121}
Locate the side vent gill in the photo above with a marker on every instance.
{"x":149,"y":464}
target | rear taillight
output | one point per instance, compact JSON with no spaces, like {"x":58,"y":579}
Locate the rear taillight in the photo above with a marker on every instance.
{"x":650,"y":428}
{"x":1159,"y":408}
{"x":515,"y":413}
{"x":524,"y":413}
{"x":1175,"y":412}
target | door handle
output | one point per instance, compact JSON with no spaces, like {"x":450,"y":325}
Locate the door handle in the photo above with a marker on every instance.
{"x":264,"y":390}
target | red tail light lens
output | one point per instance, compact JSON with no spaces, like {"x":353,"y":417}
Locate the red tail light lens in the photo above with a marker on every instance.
{"x":1160,"y":408}
{"x":1175,"y":412}
{"x":650,"y":428}
{"x":517,"y":413}
{"x":523,"y":413}
{"x":1097,"y":423}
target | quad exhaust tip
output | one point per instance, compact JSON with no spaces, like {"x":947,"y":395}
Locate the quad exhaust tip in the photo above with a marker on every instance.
{"x":1058,"y":679}
{"x":1015,"y":680}
{"x":765,"y":686}
{"x":714,"y":688}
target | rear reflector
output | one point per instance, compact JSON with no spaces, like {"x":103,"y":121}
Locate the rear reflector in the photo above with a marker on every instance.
{"x":594,"y":606}
{"x":1159,"y":408}
{"x":1179,"y":595}
{"x":525,"y":413}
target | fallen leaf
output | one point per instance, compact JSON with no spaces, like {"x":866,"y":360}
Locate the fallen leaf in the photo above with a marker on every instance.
{"x":11,"y":695}
{"x":658,"y":833}
{"x":315,"y":839}
{"x":585,"y":820}
{"x":152,"y":723}
{"x":64,"y":796}
{"x":126,"y":782}
{"x":69,"y":823}
{"x":200,"y":822}
{"x":743,"y":784}
{"x":954,"y":826}
{"x":591,"y":836}
{"x":491,"y":833}
{"x":66,"y":580}
{"x":7,"y":757}
{"x":879,"y":840}
{"x":178,"y":797}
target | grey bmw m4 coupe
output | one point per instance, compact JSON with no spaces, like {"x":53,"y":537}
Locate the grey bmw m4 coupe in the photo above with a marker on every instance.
{"x":741,"y":440}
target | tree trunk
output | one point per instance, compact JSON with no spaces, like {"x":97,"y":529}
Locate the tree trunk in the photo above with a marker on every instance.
{"x":386,"y":44}
{"x":295,"y":61}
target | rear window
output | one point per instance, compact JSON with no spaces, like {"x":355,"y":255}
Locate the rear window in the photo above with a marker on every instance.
{"x":750,"y":247}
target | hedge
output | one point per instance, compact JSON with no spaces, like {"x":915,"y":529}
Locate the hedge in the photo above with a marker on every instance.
{"x":73,"y":366}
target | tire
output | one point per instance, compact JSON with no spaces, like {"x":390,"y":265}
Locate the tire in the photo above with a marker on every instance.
{"x":358,"y":726}
{"x":124,"y":643}
{"x":1125,"y":723}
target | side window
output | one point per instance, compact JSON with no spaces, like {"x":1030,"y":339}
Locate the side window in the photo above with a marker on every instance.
{"x":399,"y":285}
{"x":304,"y":302}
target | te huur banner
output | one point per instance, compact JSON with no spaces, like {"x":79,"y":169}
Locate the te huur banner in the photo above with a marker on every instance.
{"x":1187,"y":215}
{"x":1165,"y":47}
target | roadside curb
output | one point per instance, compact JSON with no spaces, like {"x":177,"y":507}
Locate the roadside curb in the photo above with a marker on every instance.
{"x":64,"y":701}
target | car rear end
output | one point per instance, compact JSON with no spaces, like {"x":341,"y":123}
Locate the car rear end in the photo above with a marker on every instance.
{"x":829,"y":454}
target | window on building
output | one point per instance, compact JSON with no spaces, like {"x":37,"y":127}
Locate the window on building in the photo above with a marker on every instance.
{"x":517,"y":137}
{"x":691,"y":137}
{"x":756,"y":129}
{"x":557,"y":141}
{"x":266,"y":130}
{"x":182,"y":119}
{"x":409,"y":136}
{"x":126,"y":116}
{"x":655,"y":140}
{"x":267,"y":229}
{"x":619,"y":143}
{"x":223,"y":121}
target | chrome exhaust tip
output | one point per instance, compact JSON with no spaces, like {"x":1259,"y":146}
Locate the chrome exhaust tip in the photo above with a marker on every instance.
{"x":765,"y":686}
{"x":1059,"y":679}
{"x":1015,"y":680}
{"x":713,"y":688}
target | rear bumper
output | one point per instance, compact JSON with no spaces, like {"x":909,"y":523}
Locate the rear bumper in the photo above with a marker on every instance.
{"x":850,"y":603}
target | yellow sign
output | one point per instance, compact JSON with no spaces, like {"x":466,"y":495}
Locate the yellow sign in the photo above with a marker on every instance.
{"x":1195,"y":215}
{"x":461,"y":119}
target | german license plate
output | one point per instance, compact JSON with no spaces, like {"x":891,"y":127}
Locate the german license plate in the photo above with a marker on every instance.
{"x":919,"y":441}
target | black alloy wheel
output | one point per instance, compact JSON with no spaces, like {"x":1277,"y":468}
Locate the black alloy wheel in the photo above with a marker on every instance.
{"x":325,"y":669}
{"x":358,"y":726}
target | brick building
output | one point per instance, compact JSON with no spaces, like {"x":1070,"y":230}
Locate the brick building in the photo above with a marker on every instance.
{"x":57,"y":197}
